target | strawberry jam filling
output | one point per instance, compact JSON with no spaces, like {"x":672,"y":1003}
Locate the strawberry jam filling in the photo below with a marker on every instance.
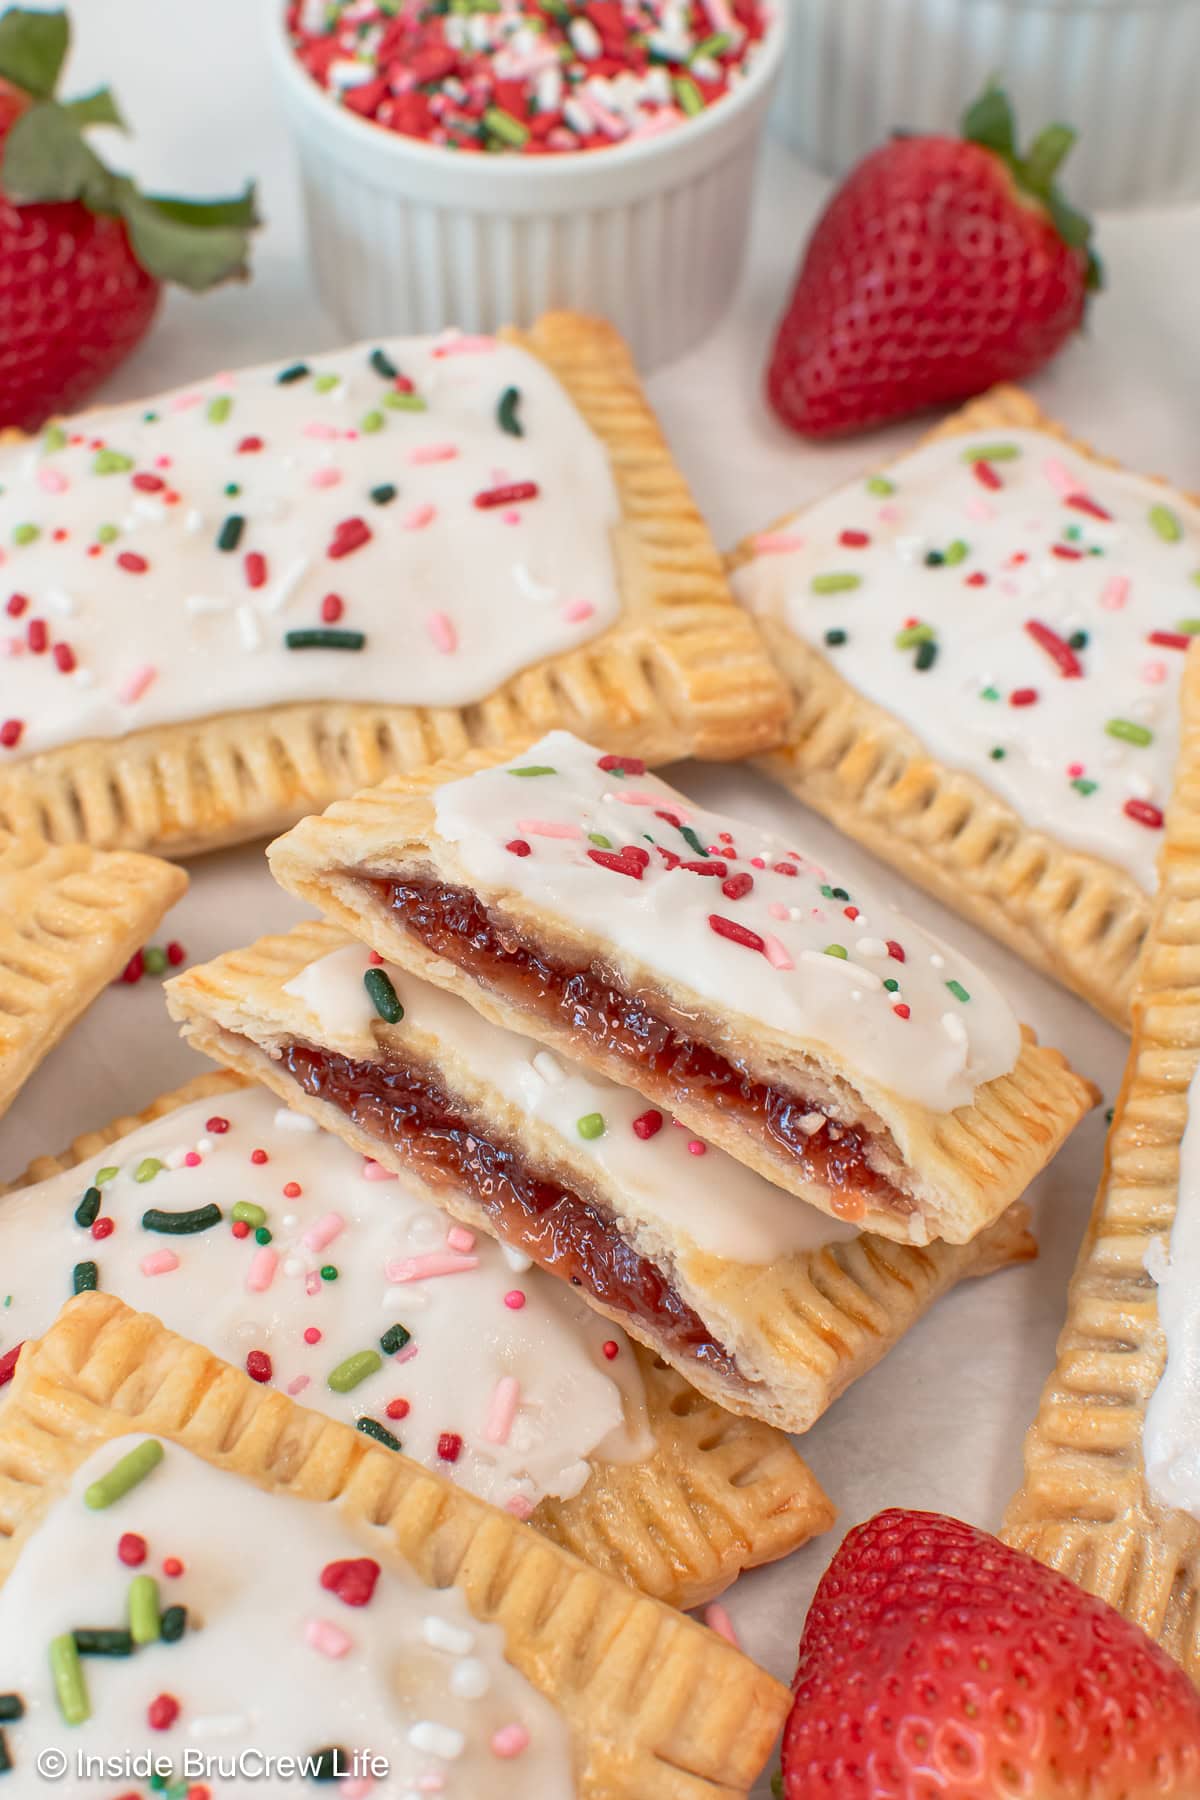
{"x":604,"y":1016}
{"x":405,"y":1108}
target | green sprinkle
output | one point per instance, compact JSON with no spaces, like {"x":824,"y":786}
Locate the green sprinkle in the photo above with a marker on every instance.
{"x":394,"y":1339}
{"x":321,"y":638}
{"x":293,"y":372}
{"x":398,"y":402}
{"x":989,"y":693}
{"x":383,"y":365}
{"x":913,"y":634}
{"x":123,"y":1476}
{"x":232,"y":489}
{"x":378,"y":984}
{"x":325,"y":384}
{"x":91,"y":1641}
{"x":53,"y":438}
{"x":372,"y":422}
{"x":147,"y":1169}
{"x":1190,"y":626}
{"x":998,"y":754}
{"x":105,"y":1175}
{"x":838,"y":950}
{"x":150,"y":418}
{"x":354,"y":1369}
{"x":958,"y":990}
{"x":1128,"y":732}
{"x":154,"y":959}
{"x":329,"y":1272}
{"x":926,"y":656}
{"x":5,"y":1754}
{"x":1078,"y":640}
{"x":84,"y":1277}
{"x":1108,"y":1117}
{"x":691,"y":840}
{"x":1166,"y":524}
{"x":501,"y":124}
{"x":716,"y":45}
{"x":839,"y":582}
{"x":107,"y":534}
{"x":892,"y":985}
{"x":591,"y":1125}
{"x":1083,"y":786}
{"x":373,"y":1429}
{"x":219,"y":408}
{"x":11,"y":1707}
{"x":144,"y":1621}
{"x":70,"y":1689}
{"x":688,"y":96}
{"x":111,"y":462}
{"x":598,"y":838}
{"x":934,"y":559}
{"x":88,"y":1209}
{"x":173,"y":1624}
{"x":956,"y":552}
{"x":384,"y":494}
{"x":535,"y":769}
{"x":1073,"y":533}
{"x":26,"y":534}
{"x":1194,"y":577}
{"x":991,"y":453}
{"x":879,"y":484}
{"x":835,"y":638}
{"x":262,"y":1235}
{"x":244,"y":1212}
{"x":230,"y":534}
{"x":506,"y":412}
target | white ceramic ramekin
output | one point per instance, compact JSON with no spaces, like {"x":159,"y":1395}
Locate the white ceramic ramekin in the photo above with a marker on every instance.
{"x":409,"y":236}
{"x":1123,"y":72}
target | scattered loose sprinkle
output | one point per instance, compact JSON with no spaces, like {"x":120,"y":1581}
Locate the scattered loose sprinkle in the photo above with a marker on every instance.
{"x":1165,"y":523}
{"x":123,"y":1476}
{"x":836,"y":583}
{"x":383,"y":997}
{"x":314,"y":638}
{"x":1129,"y":732}
{"x":591,"y":1125}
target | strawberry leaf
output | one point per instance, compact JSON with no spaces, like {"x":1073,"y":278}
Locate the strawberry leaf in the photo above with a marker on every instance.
{"x":1041,"y":162}
{"x":989,"y":121}
{"x":99,"y":108}
{"x":174,"y":241}
{"x":239,"y":209}
{"x":33,"y":47}
{"x":46,"y":159}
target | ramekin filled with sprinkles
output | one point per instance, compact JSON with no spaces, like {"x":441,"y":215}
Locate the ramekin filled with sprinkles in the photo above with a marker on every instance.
{"x":477,"y":162}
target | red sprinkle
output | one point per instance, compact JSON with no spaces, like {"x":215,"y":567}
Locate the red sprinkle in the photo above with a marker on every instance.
{"x":103,"y":1228}
{"x":854,"y":540}
{"x":1023,"y":697}
{"x":895,"y":950}
{"x":670,"y":860}
{"x":312,"y":1335}
{"x":901,"y":1010}
{"x":134,"y":969}
{"x":449,"y":1446}
{"x":706,"y":868}
{"x":397,"y":1409}
{"x":1145,"y":813}
{"x":1067,"y":662}
{"x":850,"y":912}
{"x":737,"y":934}
{"x":738,"y":886}
{"x":1084,"y":504}
{"x":1171,"y":640}
{"x":519,"y":847}
{"x":620,"y":864}
{"x":332,"y":608}
{"x":258,"y":1366}
{"x":10,"y":733}
{"x":292,"y":1190}
{"x":176,"y":953}
{"x":172,"y":1567}
{"x":784,"y":868}
{"x":986,"y":475}
{"x":631,"y":765}
{"x":8,"y":1364}
{"x":508,"y":495}
{"x":353,"y":1580}
{"x":1067,"y":552}
{"x":348,"y":535}
{"x":15,"y":605}
{"x":258,"y":1157}
{"x":37,"y":636}
{"x":64,"y":658}
{"x":134,"y":564}
{"x":256,"y":569}
{"x":147,"y":483}
{"x":162,"y":1713}
{"x":977,"y":578}
{"x":648,"y":1124}
{"x":610,"y":1349}
{"x":240,"y":1228}
{"x":249,"y":445}
{"x":132,"y":1549}
{"x":217,"y":1124}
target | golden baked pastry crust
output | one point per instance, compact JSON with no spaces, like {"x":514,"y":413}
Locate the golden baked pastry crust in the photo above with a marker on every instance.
{"x":1077,"y":918}
{"x":658,"y":1707}
{"x":683,"y":672}
{"x":720,"y":1494}
{"x":973,"y":1162}
{"x":1085,"y":1507}
{"x":813,"y":1321}
{"x":70,"y":919}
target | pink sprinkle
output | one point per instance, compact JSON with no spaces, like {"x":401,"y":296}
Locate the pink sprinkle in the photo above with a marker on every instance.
{"x":514,"y":1299}
{"x":889,"y":514}
{"x":407,"y":1354}
{"x":756,"y":862}
{"x":51,"y":480}
{"x":373,"y":1171}
{"x":184,"y":402}
{"x":312,"y":1282}
{"x":441,"y":630}
{"x":777,"y":543}
{"x":422,"y":1268}
{"x":433,"y":453}
{"x":464,"y":345}
{"x":1154,"y":672}
{"x":575,"y":612}
{"x":261,"y":1272}
{"x":136,"y":684}
{"x":1075,"y":770}
{"x":979,"y":508}
{"x":320,"y":428}
{"x":502,"y":1410}
{"x":637,"y":797}
{"x":778,"y":910}
{"x":327,"y":1638}
{"x":192,"y":1160}
{"x":519,"y":1507}
{"x":325,"y":477}
{"x":775,"y":953}
{"x":509,"y":1741}
{"x":1115,"y":593}
{"x":419,"y":517}
{"x":1059,"y":476}
{"x":318,"y":1236}
{"x":159,"y":1262}
{"x":718,"y":1620}
{"x":548,"y":828}
{"x":299,"y":1384}
{"x":459,"y":1238}
{"x":696,"y":1148}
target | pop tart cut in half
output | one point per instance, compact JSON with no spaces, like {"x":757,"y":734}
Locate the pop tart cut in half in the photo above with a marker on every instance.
{"x":804,"y":1026}
{"x":767,"y":1306}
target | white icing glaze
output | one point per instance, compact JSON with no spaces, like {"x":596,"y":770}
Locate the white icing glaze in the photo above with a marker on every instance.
{"x":417,"y":1674}
{"x":191,"y":635}
{"x":573,"y":1403}
{"x":702,"y":1196}
{"x":1141,"y":583}
{"x":937,"y":1055}
{"x":1171,"y":1437}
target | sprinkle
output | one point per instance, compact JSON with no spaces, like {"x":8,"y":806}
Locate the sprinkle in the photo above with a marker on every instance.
{"x":776,"y":543}
{"x":611,"y":1349}
{"x":26,"y":534}
{"x":1023,"y":697}
{"x":737,"y":934}
{"x":111,"y":462}
{"x":958,"y":990}
{"x":159,"y":1262}
{"x":84,"y":1277}
{"x":325,"y":477}
{"x":173,"y":1623}
{"x":123,"y":1476}
{"x":449,"y":1446}
{"x":837,"y":583}
{"x":926,"y":656}
{"x":425,"y":1268}
{"x":507,"y":495}
{"x":913,"y":634}
{"x":575,"y":612}
{"x":392,"y":1342}
{"x":382,"y":995}
{"x":1059,"y":476}
{"x":255,"y":566}
{"x":8,"y":1364}
{"x":261,"y":1272}
{"x":619,"y":862}
{"x":144,"y":1622}
{"x":1129,"y":732}
{"x":348,"y":535}
{"x":985,"y":475}
{"x":718,"y":1620}
{"x":326,"y":1638}
{"x":103,"y":1228}
{"x":459,"y":1238}
{"x":432,"y":453}
{"x":956,"y":552}
{"x":329,"y":1272}
{"x":838,"y":950}
{"x":419,"y":517}
{"x":293,"y":372}
{"x":591,"y":1125}
{"x":990,"y":453}
{"x":1165,"y":524}
{"x":219,"y":409}
{"x":354,"y":1369}
{"x":775,"y":954}
{"x":509,"y":1741}
{"x":1143,"y":812}
{"x":311,"y":638}
{"x":258,"y":1366}
{"x":245,"y":1212}
{"x":181,"y":1224}
{"x":532,"y":769}
{"x":648,"y":1124}
{"x":518,"y":847}
{"x":502,"y":1410}
{"x":373,"y":1429}
{"x":383,"y":365}
{"x":87,"y":1210}
{"x":1170,"y":640}
{"x":322,"y":1234}
{"x":70,"y":1689}
{"x":135,"y":685}
{"x":230,"y":534}
{"x":514,"y":1299}
{"x":1082,"y":503}
{"x":880,"y":485}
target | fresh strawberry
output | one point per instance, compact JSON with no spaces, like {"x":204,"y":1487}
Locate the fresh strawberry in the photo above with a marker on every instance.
{"x":938,"y":1664}
{"x":82,"y":252}
{"x":940,"y":266}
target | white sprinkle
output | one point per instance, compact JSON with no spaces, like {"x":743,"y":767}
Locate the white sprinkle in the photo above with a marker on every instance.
{"x":585,"y":38}
{"x":518,"y":1262}
{"x":937,"y":960}
{"x":532,"y":590}
{"x":204,"y":603}
{"x":550,"y":1071}
{"x":954,"y":1028}
{"x":151,"y":512}
{"x":193,"y":520}
{"x":469,"y":1679}
{"x":61,"y":603}
{"x":442,"y":1741}
{"x":287,"y":584}
{"x":450,"y":1638}
{"x":248,"y":628}
{"x":286,"y":1120}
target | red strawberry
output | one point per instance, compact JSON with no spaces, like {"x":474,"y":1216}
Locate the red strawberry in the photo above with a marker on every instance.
{"x":82,"y":252}
{"x":940,"y":266}
{"x":938,"y":1664}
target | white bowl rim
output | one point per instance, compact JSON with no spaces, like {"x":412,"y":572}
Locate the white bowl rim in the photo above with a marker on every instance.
{"x":555,"y":169}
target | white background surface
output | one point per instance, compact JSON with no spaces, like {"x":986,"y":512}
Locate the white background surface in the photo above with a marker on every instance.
{"x":940,"y":1423}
